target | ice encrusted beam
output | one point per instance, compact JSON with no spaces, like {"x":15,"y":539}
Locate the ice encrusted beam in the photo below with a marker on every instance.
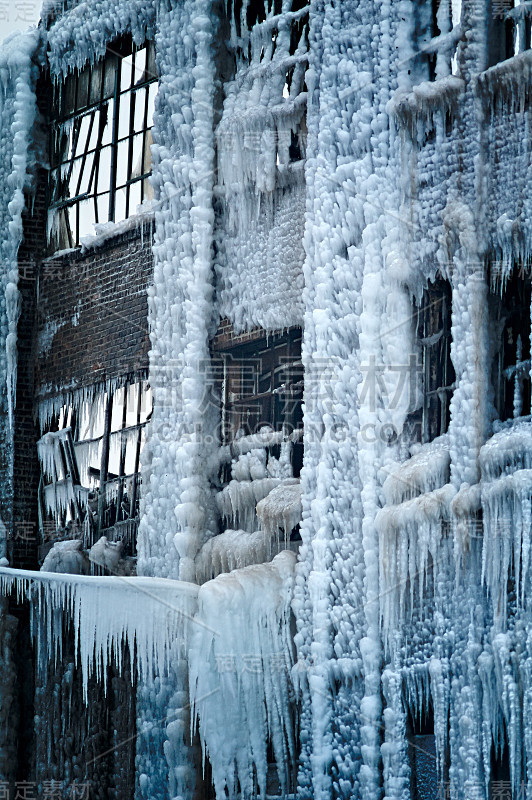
{"x":148,"y":614}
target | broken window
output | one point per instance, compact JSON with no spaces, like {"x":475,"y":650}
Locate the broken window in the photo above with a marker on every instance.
{"x":261,"y":387}
{"x":433,"y":331}
{"x":90,"y":456}
{"x":510,"y":327}
{"x":100,"y":139}
{"x":509,"y":29}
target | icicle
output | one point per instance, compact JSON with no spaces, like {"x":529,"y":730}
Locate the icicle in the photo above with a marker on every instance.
{"x":149,"y":614}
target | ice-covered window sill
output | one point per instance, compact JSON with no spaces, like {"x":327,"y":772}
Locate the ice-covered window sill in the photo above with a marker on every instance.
{"x":426,"y":98}
{"x":510,"y":77}
{"x":107,"y":231}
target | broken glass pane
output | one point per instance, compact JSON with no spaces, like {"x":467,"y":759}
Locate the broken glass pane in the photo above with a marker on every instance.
{"x":126,"y":73}
{"x":86,"y":174}
{"x":152,"y":89}
{"x":83,"y":136}
{"x":123,"y":115}
{"x":140,"y":66}
{"x":82,"y":98}
{"x":137,"y":153}
{"x":111,"y":63}
{"x":107,"y":122}
{"x":148,"y":141}
{"x":140,"y":109}
{"x":86,"y":218}
{"x":69,"y":95}
{"x":75,"y":176}
{"x":151,"y":69}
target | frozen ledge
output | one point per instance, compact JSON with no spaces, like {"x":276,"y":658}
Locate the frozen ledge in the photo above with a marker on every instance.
{"x":510,"y":79}
{"x":150,"y":615}
{"x":106,"y":231}
{"x":426,"y":98}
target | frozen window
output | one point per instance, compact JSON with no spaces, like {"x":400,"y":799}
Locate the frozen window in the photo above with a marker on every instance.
{"x":261,"y":385}
{"x":437,"y":34}
{"x":269,"y":44}
{"x":433,"y":330}
{"x":509,"y":29}
{"x":89,"y":458}
{"x":510,"y":327}
{"x":101,"y":142}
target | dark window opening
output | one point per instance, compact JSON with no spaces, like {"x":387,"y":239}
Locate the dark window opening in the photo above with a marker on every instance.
{"x":256,"y":12}
{"x":262,"y":385}
{"x":90,"y":468}
{"x":433,"y":331}
{"x":261,"y":389}
{"x":500,"y":777}
{"x":424,"y":779}
{"x":510,"y":324}
{"x":100,"y":142}
{"x":509,"y":30}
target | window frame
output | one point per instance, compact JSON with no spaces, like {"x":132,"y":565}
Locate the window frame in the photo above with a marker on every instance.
{"x":509,"y":299}
{"x":75,"y":101}
{"x":435,"y":350}
{"x":247,"y":369}
{"x":97,"y":517}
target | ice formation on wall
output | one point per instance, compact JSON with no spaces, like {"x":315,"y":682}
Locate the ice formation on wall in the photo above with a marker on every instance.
{"x":18,"y":74}
{"x":261,"y":140}
{"x":177,"y":513}
{"x":281,"y":509}
{"x":240,"y":659}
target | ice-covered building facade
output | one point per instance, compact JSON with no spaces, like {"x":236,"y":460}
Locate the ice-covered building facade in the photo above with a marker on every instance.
{"x":265,"y":414}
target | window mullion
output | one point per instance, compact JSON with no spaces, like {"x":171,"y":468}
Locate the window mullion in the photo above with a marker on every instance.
{"x":134,"y":487}
{"x":114,"y":142}
{"x":122,"y":465}
{"x":104,"y":464}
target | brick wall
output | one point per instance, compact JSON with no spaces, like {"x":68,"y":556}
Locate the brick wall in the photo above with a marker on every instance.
{"x":92,"y":314}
